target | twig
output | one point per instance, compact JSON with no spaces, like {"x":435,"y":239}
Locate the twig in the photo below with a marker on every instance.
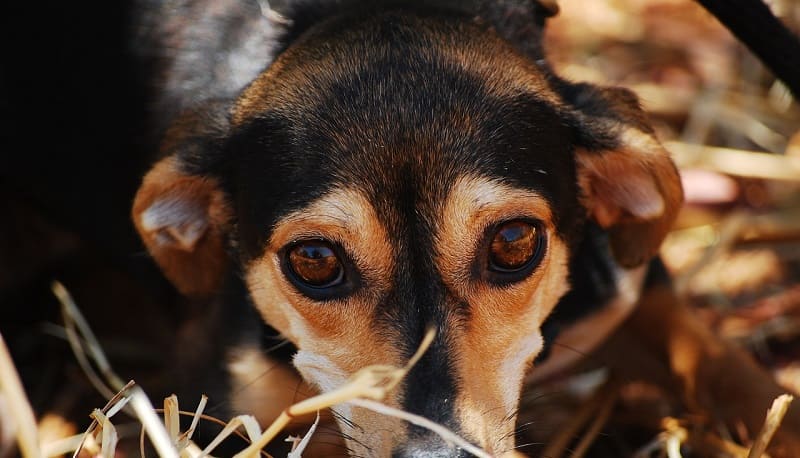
{"x":741,"y":163}
{"x":139,"y":401}
{"x":775,"y":416}
{"x":18,"y":404}
{"x":609,"y":398}
{"x":559,"y":444}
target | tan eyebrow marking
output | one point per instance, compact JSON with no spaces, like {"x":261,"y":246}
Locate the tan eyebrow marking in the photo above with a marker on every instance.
{"x":473,"y":204}
{"x":346,"y":217}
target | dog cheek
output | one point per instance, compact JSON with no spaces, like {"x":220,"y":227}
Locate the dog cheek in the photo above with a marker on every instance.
{"x":275,"y":307}
{"x":377,"y":431}
{"x":320,"y":371}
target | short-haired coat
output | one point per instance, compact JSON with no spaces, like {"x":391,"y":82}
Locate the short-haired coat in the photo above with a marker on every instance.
{"x":362,"y":171}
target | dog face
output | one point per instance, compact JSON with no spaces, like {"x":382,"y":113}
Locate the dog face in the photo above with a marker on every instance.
{"x":393,"y":172}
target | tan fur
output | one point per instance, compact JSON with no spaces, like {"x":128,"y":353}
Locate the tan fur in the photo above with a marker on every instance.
{"x":337,"y":337}
{"x":502,"y":335}
{"x":195,"y":265}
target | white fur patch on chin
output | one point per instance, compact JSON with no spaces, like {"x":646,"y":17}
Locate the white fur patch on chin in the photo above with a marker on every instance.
{"x":323,"y":374}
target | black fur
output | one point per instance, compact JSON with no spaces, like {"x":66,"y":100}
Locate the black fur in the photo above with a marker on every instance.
{"x":401,"y":123}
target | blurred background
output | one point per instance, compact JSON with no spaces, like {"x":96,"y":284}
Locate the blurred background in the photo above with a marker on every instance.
{"x":74,"y":142}
{"x":734,"y":132}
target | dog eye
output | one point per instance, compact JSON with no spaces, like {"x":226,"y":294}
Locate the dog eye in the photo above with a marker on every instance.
{"x":515,"y":247}
{"x":315,"y":264}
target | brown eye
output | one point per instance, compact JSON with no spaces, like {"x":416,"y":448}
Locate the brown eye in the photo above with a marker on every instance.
{"x":315,"y":264}
{"x":514,"y":247}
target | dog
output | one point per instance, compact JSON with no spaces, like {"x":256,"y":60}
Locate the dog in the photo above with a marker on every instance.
{"x":351,"y":174}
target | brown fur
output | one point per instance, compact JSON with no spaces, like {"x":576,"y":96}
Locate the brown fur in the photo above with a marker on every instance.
{"x":635,"y":192}
{"x":195,"y":266}
{"x":491,"y":332}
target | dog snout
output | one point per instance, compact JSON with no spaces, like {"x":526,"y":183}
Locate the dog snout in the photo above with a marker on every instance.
{"x":434,"y":448}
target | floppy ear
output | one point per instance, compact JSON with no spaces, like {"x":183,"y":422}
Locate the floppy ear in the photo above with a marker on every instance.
{"x":182,"y":214}
{"x":629,"y":183}
{"x":182,"y":219}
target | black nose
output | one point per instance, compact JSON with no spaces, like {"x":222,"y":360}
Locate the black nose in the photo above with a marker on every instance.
{"x":432,"y":449}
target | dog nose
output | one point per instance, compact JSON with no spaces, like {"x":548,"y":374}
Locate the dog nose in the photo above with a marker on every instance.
{"x":429,"y":450}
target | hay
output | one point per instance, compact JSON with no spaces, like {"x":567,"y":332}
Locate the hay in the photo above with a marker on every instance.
{"x":365,"y":388}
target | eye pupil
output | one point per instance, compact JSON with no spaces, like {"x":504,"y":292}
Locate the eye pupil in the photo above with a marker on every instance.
{"x":513,"y":246}
{"x":316,"y":264}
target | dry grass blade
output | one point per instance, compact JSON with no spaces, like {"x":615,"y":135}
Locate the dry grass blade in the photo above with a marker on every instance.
{"x":667,"y":442}
{"x":73,"y":319}
{"x":607,"y":401}
{"x":115,"y":399}
{"x":139,"y":401}
{"x":172,"y":419}
{"x":183,"y":440}
{"x":18,"y":404}
{"x":73,"y":316}
{"x":152,"y":425}
{"x":673,"y":436}
{"x":730,"y":229}
{"x":63,"y":446}
{"x":373,"y":382}
{"x":748,"y":164}
{"x":250,"y":425}
{"x":775,"y":416}
{"x":108,"y":434}
{"x":727,"y":447}
{"x":300,"y":446}
{"x":559,"y":444}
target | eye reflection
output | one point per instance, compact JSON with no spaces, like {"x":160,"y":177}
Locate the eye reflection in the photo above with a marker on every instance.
{"x":514,"y":246}
{"x":315,"y":264}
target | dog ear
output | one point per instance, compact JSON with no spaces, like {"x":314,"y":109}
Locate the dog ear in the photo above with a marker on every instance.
{"x":629,"y":184}
{"x":182,"y":220}
{"x":182,"y":214}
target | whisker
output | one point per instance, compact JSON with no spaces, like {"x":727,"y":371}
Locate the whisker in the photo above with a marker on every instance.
{"x":521,"y":428}
{"x":528,"y":444}
{"x":539,"y":397}
{"x":570,"y":348}
{"x":350,"y":424}
{"x":284,"y":342}
{"x":511,"y":415}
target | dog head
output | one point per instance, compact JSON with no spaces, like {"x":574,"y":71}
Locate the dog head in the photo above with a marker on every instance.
{"x":399,"y":170}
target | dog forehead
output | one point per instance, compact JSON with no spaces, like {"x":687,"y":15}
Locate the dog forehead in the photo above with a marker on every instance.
{"x":399,"y":107}
{"x":372,"y":46}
